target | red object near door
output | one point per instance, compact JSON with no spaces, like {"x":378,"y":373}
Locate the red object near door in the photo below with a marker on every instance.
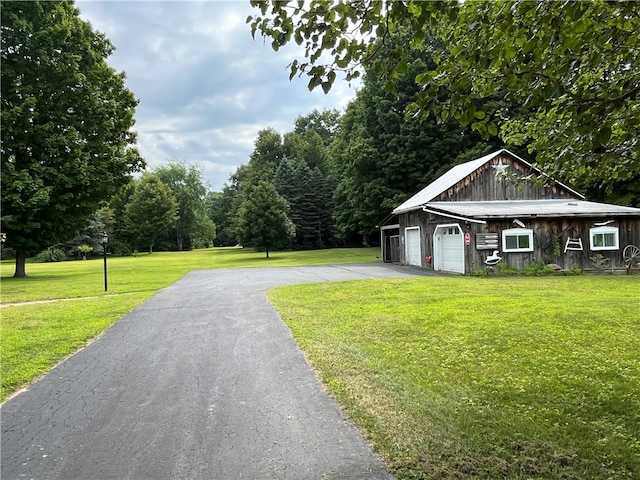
{"x":467,"y":239}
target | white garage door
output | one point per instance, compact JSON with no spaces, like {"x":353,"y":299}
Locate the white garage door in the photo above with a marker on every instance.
{"x":413,"y":246}
{"x":451,"y":249}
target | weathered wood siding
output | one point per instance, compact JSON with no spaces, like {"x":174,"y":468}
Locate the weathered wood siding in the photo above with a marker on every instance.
{"x":563,"y":228}
{"x":544,"y":229}
{"x":414,"y":219}
{"x":485,"y":185}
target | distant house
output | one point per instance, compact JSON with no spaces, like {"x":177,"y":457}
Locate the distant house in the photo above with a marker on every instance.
{"x":491,"y":211}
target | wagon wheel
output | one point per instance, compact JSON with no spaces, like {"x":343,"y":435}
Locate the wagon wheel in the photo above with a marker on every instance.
{"x":631,"y":255}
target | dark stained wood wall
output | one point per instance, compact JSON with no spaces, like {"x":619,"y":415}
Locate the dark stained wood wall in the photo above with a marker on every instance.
{"x":485,"y":185}
{"x":563,"y":228}
{"x":543,"y":231}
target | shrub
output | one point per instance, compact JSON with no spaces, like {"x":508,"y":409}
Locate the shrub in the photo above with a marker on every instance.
{"x":537,"y":268}
{"x":7,"y":253}
{"x":504,"y":269}
{"x":51,"y":254}
{"x":599,"y":261}
{"x":121,"y":248}
{"x":480,"y":273}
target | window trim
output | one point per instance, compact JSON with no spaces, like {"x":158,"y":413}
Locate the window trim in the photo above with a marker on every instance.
{"x":517,"y":232}
{"x":603,"y":231}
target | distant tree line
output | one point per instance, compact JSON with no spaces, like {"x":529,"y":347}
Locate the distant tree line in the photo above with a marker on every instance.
{"x":328,"y":182}
{"x":340,"y":175}
{"x":434,"y":93}
{"x":165,"y":209}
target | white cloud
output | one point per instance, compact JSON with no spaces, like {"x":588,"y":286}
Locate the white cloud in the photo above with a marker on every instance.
{"x":206,"y":88}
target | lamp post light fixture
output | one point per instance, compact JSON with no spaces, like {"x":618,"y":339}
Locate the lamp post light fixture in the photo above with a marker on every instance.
{"x":105,"y":241}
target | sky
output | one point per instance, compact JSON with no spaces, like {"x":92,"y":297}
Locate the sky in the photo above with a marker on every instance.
{"x":205,"y":86}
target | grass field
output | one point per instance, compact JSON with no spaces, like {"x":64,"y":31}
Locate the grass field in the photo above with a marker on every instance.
{"x":467,"y":378}
{"x":449,"y":377}
{"x":34,"y":337}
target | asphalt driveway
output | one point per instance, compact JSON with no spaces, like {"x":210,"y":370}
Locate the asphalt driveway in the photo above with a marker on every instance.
{"x":203,"y":381}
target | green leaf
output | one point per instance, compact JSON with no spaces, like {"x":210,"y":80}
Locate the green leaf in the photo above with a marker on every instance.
{"x":510,"y":52}
{"x":314,"y":82}
{"x":602,"y":136}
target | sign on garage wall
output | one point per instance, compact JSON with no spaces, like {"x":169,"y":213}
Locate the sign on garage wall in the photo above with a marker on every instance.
{"x":487,"y":241}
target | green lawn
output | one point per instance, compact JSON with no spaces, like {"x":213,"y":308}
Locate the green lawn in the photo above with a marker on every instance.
{"x":449,"y":377}
{"x":468,"y":378}
{"x":148,"y":273}
{"x":36,"y":337}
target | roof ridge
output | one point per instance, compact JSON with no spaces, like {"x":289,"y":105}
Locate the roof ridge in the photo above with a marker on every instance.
{"x":456,"y":174}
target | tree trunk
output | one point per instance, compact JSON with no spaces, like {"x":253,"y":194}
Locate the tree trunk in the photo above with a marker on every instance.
{"x":151,"y":248}
{"x":179,"y":241}
{"x":267,"y":253}
{"x":365,"y":239}
{"x":21,"y":256}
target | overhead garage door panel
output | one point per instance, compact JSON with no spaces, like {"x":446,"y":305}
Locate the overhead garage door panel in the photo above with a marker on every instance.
{"x":452,"y":250}
{"x":413,"y":247}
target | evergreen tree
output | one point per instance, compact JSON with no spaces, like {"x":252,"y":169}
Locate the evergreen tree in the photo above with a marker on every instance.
{"x":325,"y":187}
{"x":307,"y":192}
{"x":262,"y":218}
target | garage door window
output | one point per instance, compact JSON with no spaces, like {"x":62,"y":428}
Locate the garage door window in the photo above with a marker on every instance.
{"x":517,"y":240}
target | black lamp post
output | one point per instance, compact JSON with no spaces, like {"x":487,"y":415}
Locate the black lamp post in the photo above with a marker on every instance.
{"x":105,"y":240}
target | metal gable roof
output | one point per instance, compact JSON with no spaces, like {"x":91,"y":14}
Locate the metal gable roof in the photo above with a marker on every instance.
{"x":455,"y":175}
{"x":532,"y":208}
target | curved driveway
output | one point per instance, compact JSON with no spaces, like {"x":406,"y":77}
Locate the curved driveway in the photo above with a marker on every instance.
{"x":203,"y":381}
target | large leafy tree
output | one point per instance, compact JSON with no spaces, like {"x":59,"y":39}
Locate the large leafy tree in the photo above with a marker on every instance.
{"x":203,"y":232}
{"x":151,"y":210}
{"x":325,"y":124}
{"x":262,"y":218}
{"x":66,"y":124}
{"x":381,"y":157}
{"x":575,"y":65}
{"x":188,"y":186}
{"x":120,"y":240}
